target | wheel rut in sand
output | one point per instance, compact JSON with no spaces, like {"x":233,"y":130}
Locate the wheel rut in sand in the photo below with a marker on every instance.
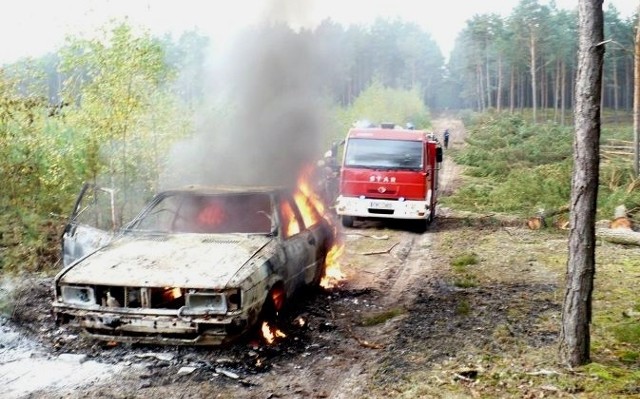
{"x":407,"y":267}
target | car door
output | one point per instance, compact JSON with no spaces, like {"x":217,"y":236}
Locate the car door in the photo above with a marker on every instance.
{"x":299,"y":247}
{"x":92,"y":223}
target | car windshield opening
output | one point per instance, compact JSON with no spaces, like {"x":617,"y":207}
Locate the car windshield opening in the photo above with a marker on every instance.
{"x":209,"y":214}
{"x":384,"y":154}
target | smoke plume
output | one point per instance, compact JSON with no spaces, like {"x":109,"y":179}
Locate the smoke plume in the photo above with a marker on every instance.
{"x":271,"y":121}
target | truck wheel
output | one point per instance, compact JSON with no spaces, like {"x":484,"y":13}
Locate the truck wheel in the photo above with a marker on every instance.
{"x":421,"y":225}
{"x":347,"y":221}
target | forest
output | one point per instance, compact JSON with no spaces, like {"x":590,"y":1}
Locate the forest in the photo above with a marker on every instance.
{"x":112,"y":108}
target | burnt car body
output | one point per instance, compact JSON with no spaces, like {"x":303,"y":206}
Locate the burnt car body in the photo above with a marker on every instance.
{"x":197,"y":266}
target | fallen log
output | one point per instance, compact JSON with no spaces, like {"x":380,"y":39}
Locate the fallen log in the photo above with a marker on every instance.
{"x":619,"y":236}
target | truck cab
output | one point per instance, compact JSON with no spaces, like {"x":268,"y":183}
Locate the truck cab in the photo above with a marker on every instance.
{"x":389,"y":173}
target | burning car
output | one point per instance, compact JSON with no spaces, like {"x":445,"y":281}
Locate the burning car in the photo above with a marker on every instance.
{"x":199,"y":265}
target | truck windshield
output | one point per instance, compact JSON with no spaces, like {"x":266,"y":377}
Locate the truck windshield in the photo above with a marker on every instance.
{"x":384,"y":154}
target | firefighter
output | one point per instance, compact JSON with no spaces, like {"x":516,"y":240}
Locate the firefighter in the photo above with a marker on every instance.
{"x":446,"y":138}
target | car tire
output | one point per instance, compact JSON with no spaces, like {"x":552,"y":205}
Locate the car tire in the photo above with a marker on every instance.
{"x":347,"y":221}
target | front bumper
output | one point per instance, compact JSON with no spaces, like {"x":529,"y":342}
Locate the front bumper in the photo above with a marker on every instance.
{"x":377,"y":208}
{"x":153,"y":326}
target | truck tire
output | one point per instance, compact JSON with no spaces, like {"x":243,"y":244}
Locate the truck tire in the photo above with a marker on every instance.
{"x":421,"y":226}
{"x":347,"y":221}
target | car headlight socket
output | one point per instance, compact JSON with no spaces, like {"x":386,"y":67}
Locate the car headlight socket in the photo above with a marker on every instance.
{"x":78,"y":295}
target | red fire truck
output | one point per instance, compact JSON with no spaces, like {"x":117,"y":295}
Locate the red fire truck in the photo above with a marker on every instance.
{"x":389,"y":172}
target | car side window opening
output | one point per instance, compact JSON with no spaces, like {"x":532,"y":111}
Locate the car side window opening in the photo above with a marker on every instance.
{"x":95,"y":210}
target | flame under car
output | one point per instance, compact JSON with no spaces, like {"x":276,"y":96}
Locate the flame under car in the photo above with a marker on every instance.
{"x":196,"y":266}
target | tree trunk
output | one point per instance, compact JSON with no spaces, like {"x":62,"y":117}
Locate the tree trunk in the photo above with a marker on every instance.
{"x":532,"y":50}
{"x":615,"y":89}
{"x":488,"y":77}
{"x":563,"y":93}
{"x":636,"y":102}
{"x":480,"y":80}
{"x":512,"y":90}
{"x":576,"y":312}
{"x":556,"y":91}
{"x":625,"y":237}
{"x":499,"y":93}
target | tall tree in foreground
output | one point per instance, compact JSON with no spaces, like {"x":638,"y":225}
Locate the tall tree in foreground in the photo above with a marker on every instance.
{"x":576,"y":312}
{"x":636,"y":101}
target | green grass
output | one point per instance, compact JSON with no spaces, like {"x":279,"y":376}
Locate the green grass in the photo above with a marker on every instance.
{"x":465,"y":281}
{"x":628,"y":332}
{"x":382,"y":317}
{"x":463,"y":307}
{"x":462,"y":276}
{"x":464,"y":260}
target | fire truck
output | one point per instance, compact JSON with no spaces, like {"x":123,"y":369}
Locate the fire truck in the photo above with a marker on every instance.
{"x":389,"y":172}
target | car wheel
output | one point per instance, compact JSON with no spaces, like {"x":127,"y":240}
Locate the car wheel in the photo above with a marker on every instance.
{"x":274,"y":303}
{"x":347,"y":221}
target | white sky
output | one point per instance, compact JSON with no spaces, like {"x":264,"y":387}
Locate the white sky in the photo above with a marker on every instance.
{"x":34,"y":27}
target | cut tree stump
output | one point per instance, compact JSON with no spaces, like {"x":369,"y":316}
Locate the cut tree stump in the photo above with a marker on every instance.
{"x":540,"y":220}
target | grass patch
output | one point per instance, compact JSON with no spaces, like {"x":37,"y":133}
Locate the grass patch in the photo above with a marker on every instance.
{"x":463,"y":307}
{"x":462,"y":277}
{"x":460,"y":262}
{"x":382,"y":317}
{"x":630,"y":357}
{"x":628,"y":332}
{"x":465,"y":281}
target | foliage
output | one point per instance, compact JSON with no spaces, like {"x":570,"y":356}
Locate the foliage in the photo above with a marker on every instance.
{"x":525,"y":60}
{"x":378,"y":104}
{"x":519,"y":167}
{"x":121,"y":113}
{"x":112,"y":121}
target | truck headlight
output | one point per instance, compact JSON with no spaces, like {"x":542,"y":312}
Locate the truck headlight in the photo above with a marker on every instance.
{"x":78,"y":295}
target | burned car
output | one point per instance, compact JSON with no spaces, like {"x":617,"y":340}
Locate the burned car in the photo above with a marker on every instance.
{"x":197,"y":266}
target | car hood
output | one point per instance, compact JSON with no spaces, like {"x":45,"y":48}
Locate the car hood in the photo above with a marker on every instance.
{"x":186,"y":261}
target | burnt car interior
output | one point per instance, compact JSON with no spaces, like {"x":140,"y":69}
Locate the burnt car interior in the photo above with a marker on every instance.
{"x":208,"y":214}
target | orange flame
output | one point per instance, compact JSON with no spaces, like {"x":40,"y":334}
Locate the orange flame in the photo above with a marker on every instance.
{"x":292,"y":226}
{"x":313,"y":209}
{"x":271,"y":333}
{"x":333,"y":273}
{"x":311,"y":206}
{"x":211,"y":215}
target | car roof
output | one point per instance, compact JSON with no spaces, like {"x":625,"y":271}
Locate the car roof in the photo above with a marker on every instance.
{"x":225,"y":189}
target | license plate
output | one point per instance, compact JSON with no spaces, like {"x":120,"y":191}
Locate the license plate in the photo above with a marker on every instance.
{"x":381,"y":205}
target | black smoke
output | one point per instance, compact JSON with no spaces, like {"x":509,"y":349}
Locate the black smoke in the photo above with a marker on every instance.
{"x":270,"y":119}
